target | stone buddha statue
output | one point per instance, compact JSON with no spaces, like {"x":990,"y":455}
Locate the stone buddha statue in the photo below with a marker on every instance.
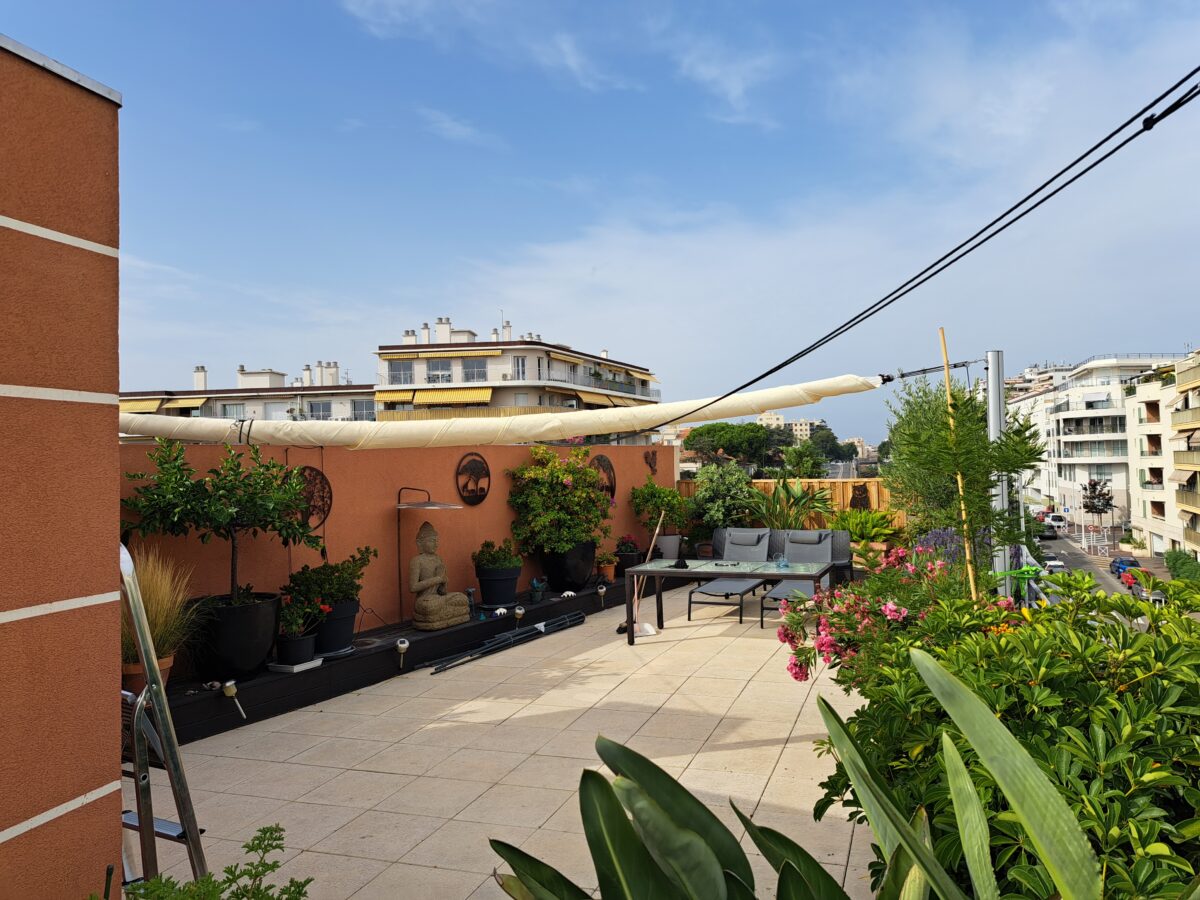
{"x":435,"y":608}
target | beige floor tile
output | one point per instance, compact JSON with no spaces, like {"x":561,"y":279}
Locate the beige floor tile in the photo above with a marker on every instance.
{"x":358,"y":789}
{"x":359,"y":704}
{"x":404,"y":759}
{"x":632,"y":701}
{"x":275,"y":746}
{"x":718,"y":788}
{"x":325,"y":723}
{"x":489,"y":890}
{"x":464,"y":846}
{"x":512,"y":692}
{"x":505,"y":804}
{"x":474,"y":765}
{"x":427,"y":708}
{"x":664,"y":751}
{"x":568,"y":817}
{"x":304,"y":823}
{"x":401,"y":880}
{"x":560,"y":772}
{"x":383,"y":728}
{"x":335,"y":877}
{"x":484,"y":711}
{"x":440,"y":797}
{"x":660,"y":683}
{"x":380,"y":835}
{"x":543,"y":715}
{"x":615,"y":724}
{"x":411,"y":684}
{"x":515,"y":738}
{"x":449,"y":735}
{"x":342,"y":753}
{"x":680,"y":725}
{"x":455,"y":690}
{"x":279,"y":780}
{"x":697,"y":705}
{"x":481,"y":672}
{"x":566,"y":851}
{"x":579,"y":745}
{"x":725,"y":758}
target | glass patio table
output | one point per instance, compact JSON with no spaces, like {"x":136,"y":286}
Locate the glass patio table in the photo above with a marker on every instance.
{"x":707,"y":569}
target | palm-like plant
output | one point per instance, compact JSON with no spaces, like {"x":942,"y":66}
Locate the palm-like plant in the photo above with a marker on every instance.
{"x":790,"y":507}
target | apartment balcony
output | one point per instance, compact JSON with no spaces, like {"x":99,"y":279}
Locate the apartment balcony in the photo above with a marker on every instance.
{"x":1191,"y":536}
{"x":1150,"y":453}
{"x":1188,"y":459}
{"x":1186,"y":419}
{"x":1153,"y":486}
{"x":1105,"y":455}
{"x":1081,"y":408}
{"x":464,"y":412}
{"x":1187,"y":375}
{"x":1085,"y":433}
{"x":1189,"y":500}
{"x":506,"y":379}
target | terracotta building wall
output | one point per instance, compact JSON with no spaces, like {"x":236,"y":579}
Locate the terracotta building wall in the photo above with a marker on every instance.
{"x":365,"y":484}
{"x":59,"y":611}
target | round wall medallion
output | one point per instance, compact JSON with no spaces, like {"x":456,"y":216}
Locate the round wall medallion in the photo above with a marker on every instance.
{"x":318,"y":494}
{"x":651,"y":460}
{"x":473,"y":479}
{"x":608,"y":475}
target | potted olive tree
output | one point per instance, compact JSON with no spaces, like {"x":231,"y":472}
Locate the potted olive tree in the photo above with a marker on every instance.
{"x":498,"y":568}
{"x":230,"y":502}
{"x":336,"y":585}
{"x":561,"y":512}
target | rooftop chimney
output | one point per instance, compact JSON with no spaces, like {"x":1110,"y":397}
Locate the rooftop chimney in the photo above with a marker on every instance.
{"x":424,"y":332}
{"x":604,"y":354}
{"x":441,"y":330}
{"x":495,"y":334}
{"x":242,"y":368}
{"x":306,"y":377}
{"x":410,"y":336}
{"x":200,"y":378}
{"x":507,"y":330}
{"x":538,"y":338}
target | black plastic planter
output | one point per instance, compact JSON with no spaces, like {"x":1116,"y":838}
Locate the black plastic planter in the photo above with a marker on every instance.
{"x":497,"y":587}
{"x":240,"y":636}
{"x":628,"y":561}
{"x":292,"y":651}
{"x":336,"y":632}
{"x":570,"y":571}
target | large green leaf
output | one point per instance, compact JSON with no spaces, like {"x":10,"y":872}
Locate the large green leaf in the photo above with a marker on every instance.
{"x":514,"y":887}
{"x":1052,"y":828}
{"x":539,"y":880}
{"x":678,"y":803}
{"x":880,"y":809}
{"x":778,"y":849}
{"x":623,"y":865}
{"x":1192,"y":891}
{"x":903,"y":876}
{"x":916,"y":885}
{"x":736,"y":889}
{"x":792,"y":885}
{"x":973,"y":832}
{"x":679,"y":852}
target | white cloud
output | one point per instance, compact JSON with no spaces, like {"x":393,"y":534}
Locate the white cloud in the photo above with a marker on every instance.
{"x":560,"y":52}
{"x":388,"y":18}
{"x":728,"y":75}
{"x":456,"y":130}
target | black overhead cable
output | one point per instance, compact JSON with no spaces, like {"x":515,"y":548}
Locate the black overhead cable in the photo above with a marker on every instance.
{"x":971,"y":244}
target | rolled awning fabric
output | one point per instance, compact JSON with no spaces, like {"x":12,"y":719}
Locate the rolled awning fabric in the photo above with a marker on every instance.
{"x":550,"y":426}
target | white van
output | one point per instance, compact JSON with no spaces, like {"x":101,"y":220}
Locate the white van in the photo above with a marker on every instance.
{"x":1058,"y":520}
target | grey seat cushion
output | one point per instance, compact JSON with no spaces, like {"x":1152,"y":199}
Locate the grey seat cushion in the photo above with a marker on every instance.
{"x":787,"y":587}
{"x":741,"y":544}
{"x":719,"y":587}
{"x":803,"y":546}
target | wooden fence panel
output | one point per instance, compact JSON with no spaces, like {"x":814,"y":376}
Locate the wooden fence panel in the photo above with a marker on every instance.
{"x":871,"y":494}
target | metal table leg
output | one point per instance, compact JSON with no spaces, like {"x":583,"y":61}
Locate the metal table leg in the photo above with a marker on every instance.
{"x":629,"y":623}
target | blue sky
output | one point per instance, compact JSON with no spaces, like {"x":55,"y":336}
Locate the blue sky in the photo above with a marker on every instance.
{"x":699,"y":187}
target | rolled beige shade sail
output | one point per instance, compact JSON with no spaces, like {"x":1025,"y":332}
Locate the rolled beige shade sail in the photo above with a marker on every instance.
{"x":550,"y":426}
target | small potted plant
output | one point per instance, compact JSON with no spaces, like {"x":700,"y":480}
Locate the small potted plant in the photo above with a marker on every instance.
{"x":606,"y":565}
{"x":338,"y":585}
{"x":628,"y":554}
{"x":651,"y":499}
{"x":871,"y":531}
{"x":164,"y":585}
{"x":497,"y":567}
{"x":298,"y":621}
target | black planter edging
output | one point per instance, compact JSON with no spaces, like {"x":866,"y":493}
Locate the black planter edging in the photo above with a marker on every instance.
{"x":239,"y":637}
{"x":337,"y":631}
{"x":570,"y":571}
{"x":497,"y":587}
{"x":198,"y":713}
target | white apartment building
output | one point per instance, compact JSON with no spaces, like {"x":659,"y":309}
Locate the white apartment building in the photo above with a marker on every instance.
{"x":801,"y":430}
{"x":317,"y":394}
{"x":446,"y":372}
{"x":1153,"y":512}
{"x":1185,"y":456}
{"x":1083,"y":424}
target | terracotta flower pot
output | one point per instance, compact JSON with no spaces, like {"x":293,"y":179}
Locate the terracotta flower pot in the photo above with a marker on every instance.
{"x":133,"y":676}
{"x":608,"y":571}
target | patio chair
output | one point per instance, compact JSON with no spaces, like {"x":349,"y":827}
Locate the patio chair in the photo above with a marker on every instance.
{"x":796,"y":547}
{"x":843,"y":558}
{"x":738,"y":545}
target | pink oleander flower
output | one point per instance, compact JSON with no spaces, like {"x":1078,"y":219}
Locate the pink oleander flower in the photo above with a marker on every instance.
{"x":921,"y":615}
{"x":824,"y":644}
{"x":910,"y":568}
{"x":894,"y":612}
{"x":1005,"y":603}
{"x":797,"y":669}
{"x":786,"y":636}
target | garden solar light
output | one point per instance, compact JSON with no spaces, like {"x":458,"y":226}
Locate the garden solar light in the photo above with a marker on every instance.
{"x":229,"y":689}
{"x":601,"y":590}
{"x":519,"y":612}
{"x":402,"y":648}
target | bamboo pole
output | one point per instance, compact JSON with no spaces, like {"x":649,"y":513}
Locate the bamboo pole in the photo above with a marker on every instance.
{"x":640,"y":580}
{"x":962,"y":494}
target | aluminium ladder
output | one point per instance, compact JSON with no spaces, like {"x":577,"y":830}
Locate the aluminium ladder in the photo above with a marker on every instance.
{"x":147,"y":726}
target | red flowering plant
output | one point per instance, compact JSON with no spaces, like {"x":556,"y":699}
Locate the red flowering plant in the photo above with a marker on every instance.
{"x":300,"y":615}
{"x":855,"y":624}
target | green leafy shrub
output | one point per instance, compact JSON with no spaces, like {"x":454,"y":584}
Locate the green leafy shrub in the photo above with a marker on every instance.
{"x":559,"y":502}
{"x":1103,"y":692}
{"x":723,"y":496}
{"x":871,"y":525}
{"x":650,"y":499}
{"x":1182,"y":565}
{"x":493,"y":556}
{"x":241,"y":881}
{"x":332,"y":583}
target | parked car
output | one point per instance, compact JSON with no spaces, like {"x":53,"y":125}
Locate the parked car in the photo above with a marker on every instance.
{"x":1050,"y":557}
{"x":1120,"y":563}
{"x":1058,"y":520}
{"x":1056,"y":567}
{"x":1138,"y":590}
{"x":1040,"y":515}
{"x":1129,"y":576}
{"x":1049,"y":533}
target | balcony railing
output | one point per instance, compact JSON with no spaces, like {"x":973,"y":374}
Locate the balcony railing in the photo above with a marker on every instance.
{"x":1187,"y":374}
{"x":1191,"y":536}
{"x":1117,"y":428}
{"x":464,"y":412}
{"x":1187,"y":458}
{"x":1153,"y":486}
{"x":1186,"y":418}
{"x":1190,"y":499}
{"x":1151,"y":452}
{"x":584,"y":381}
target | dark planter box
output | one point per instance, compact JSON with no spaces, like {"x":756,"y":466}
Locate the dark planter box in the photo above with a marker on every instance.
{"x":570,"y":571}
{"x":292,"y":651}
{"x":336,"y":632}
{"x":240,"y":637}
{"x":627,"y":561}
{"x":497,"y":587}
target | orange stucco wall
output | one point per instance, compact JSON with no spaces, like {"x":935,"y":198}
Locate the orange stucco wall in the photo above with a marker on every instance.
{"x":365,"y":484}
{"x":59,"y":618}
